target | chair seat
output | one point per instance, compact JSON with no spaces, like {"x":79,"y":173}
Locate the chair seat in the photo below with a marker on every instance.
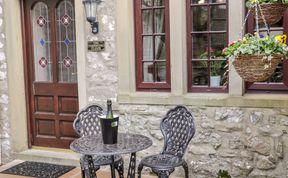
{"x":162,"y":161}
{"x":104,"y":160}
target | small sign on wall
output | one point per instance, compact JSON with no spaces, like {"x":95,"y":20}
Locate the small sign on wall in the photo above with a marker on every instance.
{"x":96,"y":46}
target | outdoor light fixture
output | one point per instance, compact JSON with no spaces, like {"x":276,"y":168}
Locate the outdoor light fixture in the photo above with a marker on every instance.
{"x":91,"y":10}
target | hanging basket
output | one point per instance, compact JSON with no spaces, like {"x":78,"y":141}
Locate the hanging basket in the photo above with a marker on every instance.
{"x":272,"y":13}
{"x":251,"y":68}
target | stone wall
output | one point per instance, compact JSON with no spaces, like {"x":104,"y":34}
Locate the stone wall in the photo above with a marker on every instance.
{"x":101,"y":69}
{"x":4,"y":120}
{"x":248,"y":142}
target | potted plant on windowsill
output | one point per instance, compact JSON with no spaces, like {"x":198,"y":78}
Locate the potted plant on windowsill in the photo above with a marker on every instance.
{"x":270,"y":10}
{"x":256,"y":57}
{"x":215,"y":77}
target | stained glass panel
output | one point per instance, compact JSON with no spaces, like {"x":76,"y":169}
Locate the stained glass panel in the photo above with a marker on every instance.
{"x":66,"y":42}
{"x":41,"y":43}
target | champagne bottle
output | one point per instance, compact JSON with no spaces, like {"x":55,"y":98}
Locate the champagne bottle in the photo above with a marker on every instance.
{"x":109,"y":114}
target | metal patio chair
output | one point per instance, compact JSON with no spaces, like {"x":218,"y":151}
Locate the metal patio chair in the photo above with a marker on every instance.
{"x":87,"y":123}
{"x":178,"y":128}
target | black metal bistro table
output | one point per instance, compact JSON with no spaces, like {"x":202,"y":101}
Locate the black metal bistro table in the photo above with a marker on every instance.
{"x":127,"y":144}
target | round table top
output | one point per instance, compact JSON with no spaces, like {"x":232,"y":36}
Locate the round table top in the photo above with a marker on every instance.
{"x":127,"y":143}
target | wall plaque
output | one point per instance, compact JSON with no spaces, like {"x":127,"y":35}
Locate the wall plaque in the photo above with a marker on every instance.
{"x":96,"y":46}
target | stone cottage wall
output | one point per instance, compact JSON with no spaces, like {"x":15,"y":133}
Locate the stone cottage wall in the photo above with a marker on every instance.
{"x":248,"y":142}
{"x":4,"y":121}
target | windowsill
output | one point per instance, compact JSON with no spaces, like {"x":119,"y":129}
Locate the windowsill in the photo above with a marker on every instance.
{"x":212,"y":100}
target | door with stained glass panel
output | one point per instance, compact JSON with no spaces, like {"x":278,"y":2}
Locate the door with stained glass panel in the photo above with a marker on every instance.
{"x":51,"y":67}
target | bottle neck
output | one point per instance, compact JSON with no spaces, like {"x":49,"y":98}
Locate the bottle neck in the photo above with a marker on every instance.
{"x":109,"y":111}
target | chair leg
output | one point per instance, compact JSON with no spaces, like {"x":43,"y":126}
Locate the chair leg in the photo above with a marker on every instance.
{"x":140,"y":167}
{"x":186,"y":169}
{"x":120,"y":168}
{"x":82,"y":173}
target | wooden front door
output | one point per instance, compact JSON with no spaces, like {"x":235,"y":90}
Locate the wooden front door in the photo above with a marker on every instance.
{"x":51,"y":71}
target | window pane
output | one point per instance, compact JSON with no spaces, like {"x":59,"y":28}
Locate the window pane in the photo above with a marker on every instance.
{"x":218,"y":18}
{"x":41,"y":43}
{"x":147,"y":21}
{"x":277,"y":76}
{"x":200,"y":46}
{"x":159,"y":21}
{"x":147,"y":3}
{"x":217,"y":71}
{"x":160,"y":71}
{"x":160,"y":49}
{"x":66,"y":42}
{"x":200,"y":73}
{"x":159,"y":2}
{"x":218,"y":1}
{"x":218,"y":43}
{"x":199,"y":1}
{"x":200,"y":18}
{"x":148,"y":71}
{"x":148,"y":48}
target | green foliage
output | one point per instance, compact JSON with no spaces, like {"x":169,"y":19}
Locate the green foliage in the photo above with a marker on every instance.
{"x":216,"y":67}
{"x":256,"y":45}
{"x":223,"y":174}
{"x":250,"y":3}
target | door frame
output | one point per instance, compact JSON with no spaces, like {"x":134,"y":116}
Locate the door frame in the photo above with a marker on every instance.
{"x":20,"y":131}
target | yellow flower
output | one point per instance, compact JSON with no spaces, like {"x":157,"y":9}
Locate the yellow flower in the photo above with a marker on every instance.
{"x":245,"y":40}
{"x":253,"y":1}
{"x":281,"y":39}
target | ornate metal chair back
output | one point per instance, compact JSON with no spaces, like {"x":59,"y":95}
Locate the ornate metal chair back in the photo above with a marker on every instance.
{"x":178,"y":128}
{"x":87,"y":121}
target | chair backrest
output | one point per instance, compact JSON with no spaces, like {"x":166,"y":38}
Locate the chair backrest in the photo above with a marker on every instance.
{"x":87,"y":121}
{"x":178,"y":129}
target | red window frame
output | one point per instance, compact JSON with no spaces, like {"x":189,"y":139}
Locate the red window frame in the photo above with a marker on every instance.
{"x":140,"y":84}
{"x":269,"y":87}
{"x":190,"y":32}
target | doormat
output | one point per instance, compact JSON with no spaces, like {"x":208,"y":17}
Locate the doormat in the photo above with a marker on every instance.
{"x":39,"y":170}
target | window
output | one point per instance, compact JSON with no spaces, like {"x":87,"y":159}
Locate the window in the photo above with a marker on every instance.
{"x":152,"y":44}
{"x":207,"y":36}
{"x":279,"y":80}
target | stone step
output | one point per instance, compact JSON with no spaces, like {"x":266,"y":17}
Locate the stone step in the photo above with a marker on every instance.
{"x":47,"y":155}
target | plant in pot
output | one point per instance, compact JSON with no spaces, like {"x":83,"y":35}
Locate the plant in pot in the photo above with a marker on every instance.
{"x":256,"y":57}
{"x":215,"y":75}
{"x":270,"y":10}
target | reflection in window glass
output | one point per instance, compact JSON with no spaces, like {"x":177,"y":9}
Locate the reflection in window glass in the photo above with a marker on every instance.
{"x":209,"y":37}
{"x":148,"y":48}
{"x":147,"y":26}
{"x":199,"y":1}
{"x":148,"y":72}
{"x":159,"y":21}
{"x":218,"y":43}
{"x":154,"y":59}
{"x":66,"y":42}
{"x":218,"y":1}
{"x":41,"y":43}
{"x":159,"y":2}
{"x":200,"y":73}
{"x":160,"y":71}
{"x":200,"y":46}
{"x":160,"y":49}
{"x":200,"y":18}
{"x":147,"y":3}
{"x":218,"y":18}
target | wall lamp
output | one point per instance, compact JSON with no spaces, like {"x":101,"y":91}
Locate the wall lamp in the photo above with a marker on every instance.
{"x":91,"y":13}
